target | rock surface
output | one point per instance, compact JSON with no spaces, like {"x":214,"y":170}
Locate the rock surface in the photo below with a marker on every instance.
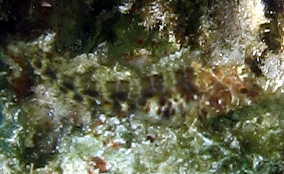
{"x":147,"y":86}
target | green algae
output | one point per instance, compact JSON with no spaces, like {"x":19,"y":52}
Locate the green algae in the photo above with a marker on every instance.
{"x":253,"y":136}
{"x":6,"y":130}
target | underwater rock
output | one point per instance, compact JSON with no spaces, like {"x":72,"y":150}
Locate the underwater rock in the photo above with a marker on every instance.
{"x":136,"y":78}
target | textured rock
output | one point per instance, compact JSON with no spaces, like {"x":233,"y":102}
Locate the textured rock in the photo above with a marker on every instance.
{"x":156,"y":94}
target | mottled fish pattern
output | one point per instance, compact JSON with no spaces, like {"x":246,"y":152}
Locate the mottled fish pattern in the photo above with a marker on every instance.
{"x":174,"y":88}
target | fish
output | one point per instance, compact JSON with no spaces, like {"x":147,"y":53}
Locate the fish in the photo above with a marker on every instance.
{"x":174,"y":89}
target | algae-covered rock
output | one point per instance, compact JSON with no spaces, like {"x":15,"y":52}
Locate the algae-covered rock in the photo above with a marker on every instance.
{"x":141,"y":86}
